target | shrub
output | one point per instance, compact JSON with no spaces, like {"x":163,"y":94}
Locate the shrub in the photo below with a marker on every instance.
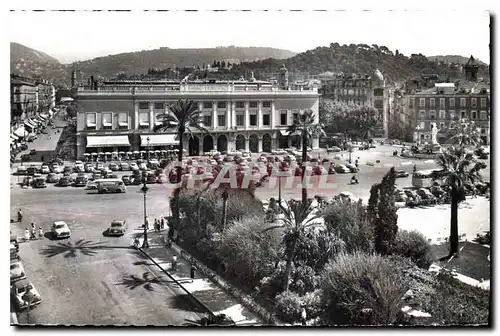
{"x":316,"y":248}
{"x":413,"y":245}
{"x":363,"y":289}
{"x":289,"y":307}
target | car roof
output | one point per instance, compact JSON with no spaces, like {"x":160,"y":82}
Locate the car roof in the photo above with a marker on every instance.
{"x":118,"y":221}
{"x":22,"y":283}
{"x":60,"y":222}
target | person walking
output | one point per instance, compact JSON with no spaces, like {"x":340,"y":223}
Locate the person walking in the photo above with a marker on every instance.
{"x":174,"y":262}
{"x":26,"y":234}
{"x":193,"y":272}
{"x":162,"y":224}
{"x":19,"y":216}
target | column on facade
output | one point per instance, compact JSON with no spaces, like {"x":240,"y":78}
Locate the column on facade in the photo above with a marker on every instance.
{"x":214,"y":138}
{"x":315,"y":143}
{"x":273,"y":115}
{"x":259,"y":148}
{"x":136,"y":115}
{"x":202,"y":114}
{"x":185,"y":144}
{"x":214,"y":115}
{"x":289,"y":140}
{"x":200,"y":143}
{"x":247,"y":143}
{"x":229,"y":119}
{"x":151,"y":116}
{"x":233,"y":114}
{"x":247,"y":114}
{"x":259,"y":115}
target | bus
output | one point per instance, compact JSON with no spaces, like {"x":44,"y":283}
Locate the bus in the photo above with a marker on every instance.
{"x":426,"y":178}
{"x":106,"y":186}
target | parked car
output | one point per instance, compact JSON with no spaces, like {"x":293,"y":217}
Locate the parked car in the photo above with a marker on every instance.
{"x":24,"y":294}
{"x":32,"y":152}
{"x":57,"y":169}
{"x":278,"y":152}
{"x":39,"y":182}
{"x":342,"y":169}
{"x":21,"y":170}
{"x":352,"y":168}
{"x":400,"y":196}
{"x":79,"y":166}
{"x":137,"y":179}
{"x":25,"y":157}
{"x":162,"y":178}
{"x":134,"y":166}
{"x":89,"y":168}
{"x":124,"y":166}
{"x":126,"y":180}
{"x":113,"y":166}
{"x":426,"y":195}
{"x":99,"y":166}
{"x":32,"y":170}
{"x":45,"y":169}
{"x":81,"y":181}
{"x":150,"y":177}
{"x":52,"y":178}
{"x":153,"y":163}
{"x":17,"y":271}
{"x":401,"y":173}
{"x":60,"y":230}
{"x":117,"y":228}
{"x":333,"y":149}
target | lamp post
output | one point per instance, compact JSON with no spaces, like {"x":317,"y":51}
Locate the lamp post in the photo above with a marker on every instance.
{"x":418,"y":134}
{"x":279,"y":188}
{"x":147,"y":139}
{"x":144,"y":189}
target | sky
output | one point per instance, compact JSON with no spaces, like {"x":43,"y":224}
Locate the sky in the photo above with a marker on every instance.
{"x":82,"y":35}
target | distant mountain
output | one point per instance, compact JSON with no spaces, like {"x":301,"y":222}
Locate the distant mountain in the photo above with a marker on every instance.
{"x":357,"y":58}
{"x":33,"y":63}
{"x":457,"y":59}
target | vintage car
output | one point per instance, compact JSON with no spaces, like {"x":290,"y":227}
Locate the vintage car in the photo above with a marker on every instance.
{"x":401,"y":173}
{"x":162,"y":178}
{"x":113,"y":166}
{"x":60,"y":230}
{"x":117,"y":228}
{"x":352,"y":168}
{"x":124,"y":166}
{"x":13,"y":252}
{"x":342,"y":169}
{"x":134,"y":166}
{"x":64,"y":182}
{"x":17,"y":271}
{"x":21,"y":170}
{"x":32,"y":152}
{"x":333,"y":149}
{"x":126,"y":180}
{"x":52,"y":178}
{"x":81,"y":181}
{"x":24,"y":294}
{"x":45,"y":169}
{"x":89,"y":168}
{"x":39,"y":182}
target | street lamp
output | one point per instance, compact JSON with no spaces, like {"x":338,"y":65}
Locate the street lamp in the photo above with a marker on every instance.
{"x":418,"y":134}
{"x":147,"y":139}
{"x":144,"y":189}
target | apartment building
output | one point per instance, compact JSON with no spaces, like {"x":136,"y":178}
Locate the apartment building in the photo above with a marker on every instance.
{"x":23,"y":97}
{"x":443,"y":104}
{"x":245,"y":114}
{"x":350,"y":89}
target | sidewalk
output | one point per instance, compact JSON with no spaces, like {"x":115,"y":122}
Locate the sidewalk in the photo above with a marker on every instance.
{"x":207,"y":292}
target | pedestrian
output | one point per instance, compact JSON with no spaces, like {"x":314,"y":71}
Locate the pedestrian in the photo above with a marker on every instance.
{"x":26,"y":234}
{"x":157,"y":225}
{"x":303,"y":316}
{"x":19,"y":216}
{"x":162,"y":224}
{"x":174,"y":262}
{"x":193,"y":271}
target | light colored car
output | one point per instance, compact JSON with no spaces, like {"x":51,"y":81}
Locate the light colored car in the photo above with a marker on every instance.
{"x":124,"y":166}
{"x":17,"y":271}
{"x":24,"y":294}
{"x":99,"y":166}
{"x":340,"y":168}
{"x":60,"y":230}
{"x":22,"y":170}
{"x":89,"y":168}
{"x":45,"y":169}
{"x":143,"y":166}
{"x":57,"y":169}
{"x":333,"y":149}
{"x":279,"y":152}
{"x":117,"y":228}
{"x":134,"y":166}
{"x":162,"y":178}
{"x":113,"y":166}
{"x":79,"y":166}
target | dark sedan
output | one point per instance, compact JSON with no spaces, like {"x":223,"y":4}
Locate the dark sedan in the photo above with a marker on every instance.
{"x":401,"y":173}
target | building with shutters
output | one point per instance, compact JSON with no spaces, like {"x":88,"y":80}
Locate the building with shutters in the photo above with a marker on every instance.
{"x":245,"y":114}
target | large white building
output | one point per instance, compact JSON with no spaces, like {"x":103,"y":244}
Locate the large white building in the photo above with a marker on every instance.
{"x":252,"y":115}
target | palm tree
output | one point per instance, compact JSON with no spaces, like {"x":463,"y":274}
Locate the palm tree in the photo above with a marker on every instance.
{"x":464,"y":133}
{"x":184,"y":117}
{"x":305,"y":125}
{"x":296,"y":218}
{"x":458,"y":168}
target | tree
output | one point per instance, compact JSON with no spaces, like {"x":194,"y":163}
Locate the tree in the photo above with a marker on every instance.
{"x":297,"y":218}
{"x":464,"y":132}
{"x":214,"y":65}
{"x":223,"y":64}
{"x":386,"y":220}
{"x":458,"y":168}
{"x":307,"y":127}
{"x":184,"y":117}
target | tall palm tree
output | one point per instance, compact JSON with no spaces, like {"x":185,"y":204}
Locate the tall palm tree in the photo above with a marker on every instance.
{"x":464,"y":133}
{"x":296,"y":218}
{"x":184,"y":117}
{"x":458,"y":168}
{"x":305,"y":125}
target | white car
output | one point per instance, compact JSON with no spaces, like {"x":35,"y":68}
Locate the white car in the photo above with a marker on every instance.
{"x":333,"y":149}
{"x":45,"y":169}
{"x":134,"y":166}
{"x":117,"y":228}
{"x":79,"y":166}
{"x":60,"y":230}
{"x":24,"y":294}
{"x":57,"y":169}
{"x":113,"y":166}
{"x":124,"y":166}
{"x":99,"y":166}
{"x":17,"y":271}
{"x":279,"y":152}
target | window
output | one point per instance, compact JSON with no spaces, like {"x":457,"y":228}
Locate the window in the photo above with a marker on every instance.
{"x":91,"y":120}
{"x":432,"y":114}
{"x":483,"y":102}
{"x":253,"y":104}
{"x":143,"y":106}
{"x":283,"y":117}
{"x":207,"y":105}
{"x":442,"y":102}
{"x":422,"y":102}
{"x":378,"y":104}
{"x":266,"y":104}
{"x":452,"y":102}
{"x":412,"y":102}
{"x":473,"y":102}
{"x":378,"y":92}
{"x":463,"y":114}
{"x":422,"y":125}
{"x":462,"y":102}
{"x":483,"y":115}
{"x":266,"y":120}
{"x":483,"y":131}
{"x":221,"y":120}
{"x":442,"y":114}
{"x":433,"y":102}
{"x":473,"y":114}
{"x":159,"y":106}
{"x":422,"y":114}
{"x":240,"y":104}
{"x":442,"y":125}
{"x":253,"y":120}
{"x":221,"y":105}
{"x":107,"y":120}
{"x":240,"y":120}
{"x":123,"y":120}
{"x":451,"y":114}
{"x":295,"y":116}
{"x":207,"y":121}
{"x":144,"y":119}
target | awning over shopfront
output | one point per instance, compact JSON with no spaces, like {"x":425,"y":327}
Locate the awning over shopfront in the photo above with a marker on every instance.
{"x":159,"y":140}
{"x":30,"y":123}
{"x":21,"y":132}
{"x":108,"y":141}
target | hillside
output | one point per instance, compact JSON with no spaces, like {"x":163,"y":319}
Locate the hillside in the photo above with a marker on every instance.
{"x":360,"y":59}
{"x":457,"y":59}
{"x":140,"y":62}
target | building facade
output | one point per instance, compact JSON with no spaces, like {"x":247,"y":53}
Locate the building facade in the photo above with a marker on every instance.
{"x":23,"y":97}
{"x":349,"y":89}
{"x":251,"y":115}
{"x":46,"y":97}
{"x":444,"y":104}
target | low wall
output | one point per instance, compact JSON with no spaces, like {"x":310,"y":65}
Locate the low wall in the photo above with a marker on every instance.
{"x":419,"y":156}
